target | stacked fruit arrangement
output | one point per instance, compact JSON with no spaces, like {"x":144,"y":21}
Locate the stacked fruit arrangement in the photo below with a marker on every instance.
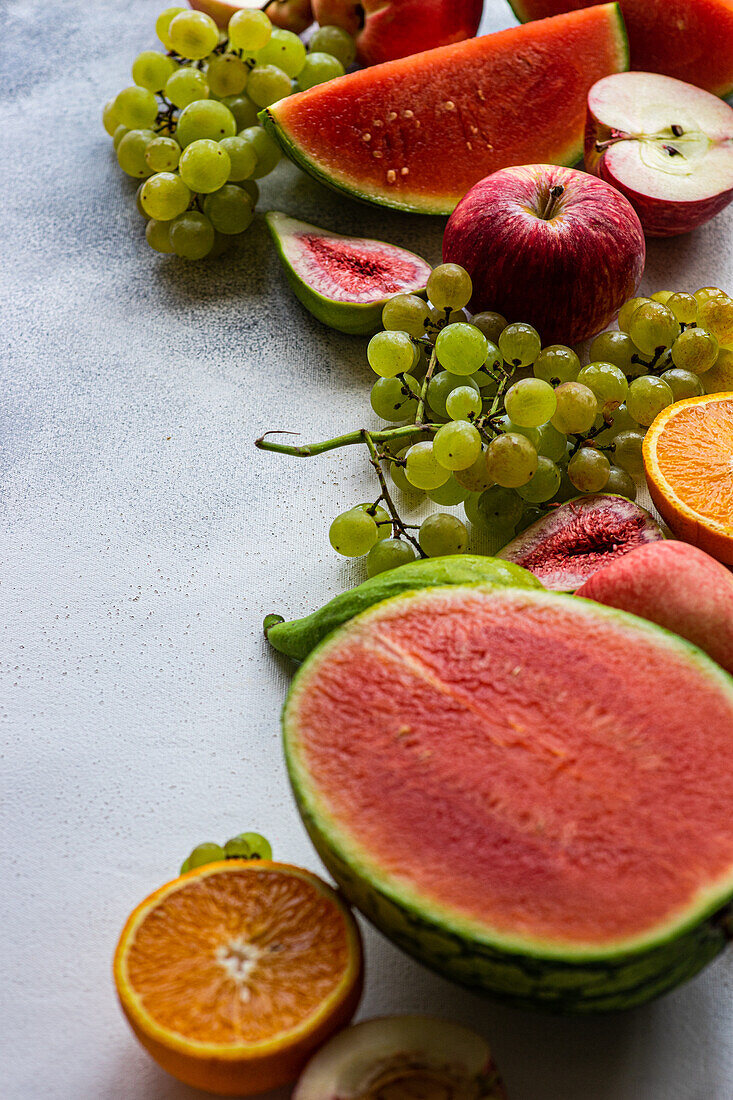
{"x":188,"y":126}
{"x":482,"y":415}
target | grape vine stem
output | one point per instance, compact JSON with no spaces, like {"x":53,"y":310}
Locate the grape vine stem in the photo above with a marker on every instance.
{"x":308,"y":450}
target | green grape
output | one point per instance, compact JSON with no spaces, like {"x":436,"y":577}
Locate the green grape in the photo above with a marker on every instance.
{"x":251,"y":188}
{"x":456,"y":445}
{"x":615,"y":421}
{"x":506,"y":424}
{"x":490,"y":323}
{"x":716,"y":315}
{"x":552,"y":443}
{"x":627,"y":310}
{"x":397,"y":473}
{"x":204,"y":166}
{"x":441,"y":385}
{"x":499,"y":509}
{"x":684,"y":307}
{"x":204,"y":854}
{"x":131,"y":153}
{"x":647,"y":397}
{"x":119,"y":133}
{"x":441,"y":534}
{"x":511,"y":460}
{"x":249,"y":30}
{"x":391,"y":353}
{"x":248,"y":846}
{"x":530,"y":402}
{"x":470,"y":509}
{"x":140,"y":208}
{"x":227,"y":75}
{"x":449,"y":287}
{"x":162,"y":154}
{"x":388,"y":554}
{"x":186,"y":86}
{"x":164,"y":196}
{"x":229,"y":209}
{"x":110,"y":118}
{"x":204,"y":120}
{"x":441,"y":318}
{"x":627,"y":452}
{"x":422,"y":468}
{"x":556,"y":364}
{"x":683,"y":383}
{"x":380,"y":516}
{"x":267,"y":84}
{"x":136,"y":108}
{"x":461,"y":348}
{"x":193,"y":34}
{"x":243,"y":109}
{"x":317,"y":69}
{"x":588,"y":470}
{"x":158,"y":236}
{"x":392,"y":400}
{"x":476,"y":478}
{"x":662,"y":296}
{"x":706,"y":292}
{"x":543,"y":484}
{"x":617,"y":348}
{"x":607,"y":381}
{"x":620,"y":483}
{"x":494,"y":358}
{"x":463,"y":403}
{"x":695,"y":350}
{"x":653,"y":327}
{"x":336,"y":42}
{"x":151,"y":69}
{"x":576,"y":408}
{"x":520,"y":344}
{"x":192,"y":235}
{"x":406,"y":313}
{"x":267,"y":152}
{"x":448,"y":495}
{"x":353,"y":533}
{"x":242,"y":158}
{"x":162,"y":25}
{"x":285,"y":50}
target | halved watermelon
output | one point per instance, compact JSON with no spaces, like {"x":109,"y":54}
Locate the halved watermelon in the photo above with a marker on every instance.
{"x":528,"y":791}
{"x":417,"y":133}
{"x":689,"y":39}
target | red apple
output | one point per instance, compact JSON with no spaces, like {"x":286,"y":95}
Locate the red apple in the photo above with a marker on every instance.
{"x":291,"y":15}
{"x":387,"y":29}
{"x":552,"y":246}
{"x":667,"y":145}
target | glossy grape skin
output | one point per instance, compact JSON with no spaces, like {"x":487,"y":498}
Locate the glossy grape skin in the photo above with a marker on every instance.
{"x":192,"y":235}
{"x":229,"y":209}
{"x":511,"y":460}
{"x":476,"y":478}
{"x":267,"y":151}
{"x":500,"y":508}
{"x":618,"y":348}
{"x":249,"y":30}
{"x":555,"y":364}
{"x":552,"y":443}
{"x":204,"y":166}
{"x":653,"y":327}
{"x":267,"y":84}
{"x":530,"y":402}
{"x":456,"y":445}
{"x":577,"y":407}
{"x":684,"y":307}
{"x":588,"y":470}
{"x":227,"y":75}
{"x":164,"y":196}
{"x":441,"y":534}
{"x":163,"y":154}
{"x":620,"y":483}
{"x":193,"y":34}
{"x":422,"y":467}
{"x":405,"y":313}
{"x":204,"y":120}
{"x":186,"y":86}
{"x":203,"y":854}
{"x":627,"y":310}
{"x":158,"y":236}
{"x":390,"y":353}
{"x":336,"y":42}
{"x":353,"y":533}
{"x":716,"y":315}
{"x":389,"y":554}
{"x":390,"y":401}
{"x":520,"y":344}
{"x":463,"y":402}
{"x":380,"y":516}
{"x":441,"y":385}
{"x":285,"y":50}
{"x":449,"y":287}
{"x":151,"y":70}
{"x":136,"y":108}
{"x":110,"y":118}
{"x":248,"y":846}
{"x":683,"y":383}
{"x":461,"y":348}
{"x":647,"y":397}
{"x":318,"y":68}
{"x":243,"y":110}
{"x":449,"y":494}
{"x":607,"y":381}
{"x":543,"y":484}
{"x":695,"y":350}
{"x":490,"y":323}
{"x":163,"y":22}
{"x":627,"y":452}
{"x":131,"y":153}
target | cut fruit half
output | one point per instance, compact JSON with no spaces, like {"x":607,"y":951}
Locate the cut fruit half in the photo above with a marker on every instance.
{"x":232,"y":974}
{"x":666,"y":145}
{"x":528,"y":791}
{"x":688,"y":460}
{"x":344,"y":281}
{"x":402,"y":1058}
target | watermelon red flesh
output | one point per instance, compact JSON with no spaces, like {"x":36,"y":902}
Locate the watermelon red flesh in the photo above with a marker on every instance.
{"x":689,"y":39}
{"x":418,"y":132}
{"x":527,"y":762}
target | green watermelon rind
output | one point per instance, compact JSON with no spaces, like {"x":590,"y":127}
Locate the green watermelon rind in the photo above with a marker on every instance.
{"x":351,"y":318}
{"x":423,"y":204}
{"x":531,"y":973}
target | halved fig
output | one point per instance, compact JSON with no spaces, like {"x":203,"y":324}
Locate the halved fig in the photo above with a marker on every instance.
{"x":344,"y":281}
{"x":570,"y":544}
{"x":402,"y":1058}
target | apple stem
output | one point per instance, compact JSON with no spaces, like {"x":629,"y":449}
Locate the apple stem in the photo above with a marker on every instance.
{"x":555,"y":193}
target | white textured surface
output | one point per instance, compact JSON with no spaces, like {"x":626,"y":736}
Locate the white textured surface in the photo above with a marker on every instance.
{"x":143,"y":538}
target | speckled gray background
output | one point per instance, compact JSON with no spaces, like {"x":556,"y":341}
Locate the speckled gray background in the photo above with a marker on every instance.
{"x":143,"y":538}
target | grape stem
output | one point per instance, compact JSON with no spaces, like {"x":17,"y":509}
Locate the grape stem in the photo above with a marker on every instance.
{"x":399,"y":529}
{"x":308,"y":450}
{"x":420,"y":414}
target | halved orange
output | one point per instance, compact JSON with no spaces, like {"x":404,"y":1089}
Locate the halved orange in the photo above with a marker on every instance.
{"x":234,"y":973}
{"x":688,"y":459}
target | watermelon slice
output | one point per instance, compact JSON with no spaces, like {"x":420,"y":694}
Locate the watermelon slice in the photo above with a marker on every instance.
{"x":417,"y":133}
{"x":528,"y":791}
{"x":689,"y":39}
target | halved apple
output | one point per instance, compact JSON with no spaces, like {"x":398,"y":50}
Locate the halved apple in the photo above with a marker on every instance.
{"x":666,"y":145}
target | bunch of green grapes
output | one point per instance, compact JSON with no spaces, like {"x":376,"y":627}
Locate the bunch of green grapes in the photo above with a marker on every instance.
{"x":188,"y":127}
{"x":508,"y":428}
